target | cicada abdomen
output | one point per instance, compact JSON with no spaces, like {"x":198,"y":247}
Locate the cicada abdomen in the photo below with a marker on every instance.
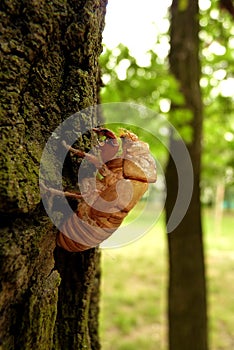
{"x":76,"y":235}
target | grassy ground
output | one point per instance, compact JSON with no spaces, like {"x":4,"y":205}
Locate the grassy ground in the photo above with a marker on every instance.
{"x":134,"y":290}
{"x":220,"y":271}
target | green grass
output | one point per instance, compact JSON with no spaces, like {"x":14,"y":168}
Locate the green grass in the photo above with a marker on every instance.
{"x":219,"y":249}
{"x":134,"y":290}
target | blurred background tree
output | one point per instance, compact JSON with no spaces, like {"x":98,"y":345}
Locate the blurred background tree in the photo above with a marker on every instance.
{"x":187,"y":306}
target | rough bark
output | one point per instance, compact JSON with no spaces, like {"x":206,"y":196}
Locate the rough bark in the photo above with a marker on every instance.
{"x":187,"y":290}
{"x":49,"y":60}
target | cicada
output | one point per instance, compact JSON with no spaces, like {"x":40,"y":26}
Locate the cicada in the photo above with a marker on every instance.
{"x":125,"y":168}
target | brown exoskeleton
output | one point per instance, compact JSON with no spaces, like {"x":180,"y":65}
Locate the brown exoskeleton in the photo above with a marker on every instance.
{"x":121,"y":181}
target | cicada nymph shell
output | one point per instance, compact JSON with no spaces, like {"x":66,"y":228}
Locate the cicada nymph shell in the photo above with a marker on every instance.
{"x":124,"y":179}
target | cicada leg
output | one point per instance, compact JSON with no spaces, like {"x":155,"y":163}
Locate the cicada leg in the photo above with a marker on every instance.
{"x":56,"y":192}
{"x":90,"y":157}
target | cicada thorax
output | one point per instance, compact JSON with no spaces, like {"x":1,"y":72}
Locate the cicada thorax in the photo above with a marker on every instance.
{"x":138,"y":162}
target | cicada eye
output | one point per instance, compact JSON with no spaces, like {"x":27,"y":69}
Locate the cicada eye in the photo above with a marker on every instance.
{"x":101,"y":143}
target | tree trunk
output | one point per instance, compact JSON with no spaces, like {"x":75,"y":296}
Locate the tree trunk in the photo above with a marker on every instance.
{"x":50,"y":70}
{"x":187,"y":290}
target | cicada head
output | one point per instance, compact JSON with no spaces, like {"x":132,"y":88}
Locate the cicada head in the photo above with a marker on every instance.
{"x":108,"y":143}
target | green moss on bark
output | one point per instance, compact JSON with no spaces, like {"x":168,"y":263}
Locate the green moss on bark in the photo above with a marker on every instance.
{"x":26,"y":268}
